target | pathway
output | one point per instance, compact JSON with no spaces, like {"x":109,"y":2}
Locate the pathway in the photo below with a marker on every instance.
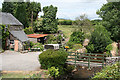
{"x":15,"y":61}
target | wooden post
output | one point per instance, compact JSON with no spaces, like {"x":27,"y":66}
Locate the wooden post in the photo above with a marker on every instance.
{"x":103,"y":61}
{"x":75,"y":58}
{"x":77,"y":55}
{"x":89,"y":61}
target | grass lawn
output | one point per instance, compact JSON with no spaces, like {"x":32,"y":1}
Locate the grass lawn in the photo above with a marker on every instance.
{"x":67,"y":29}
{"x":25,"y":74}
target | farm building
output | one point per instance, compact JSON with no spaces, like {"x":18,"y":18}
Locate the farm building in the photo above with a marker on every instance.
{"x":17,"y":36}
{"x":37,"y":38}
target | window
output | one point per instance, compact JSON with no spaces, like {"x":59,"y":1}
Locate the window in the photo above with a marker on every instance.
{"x":11,"y":41}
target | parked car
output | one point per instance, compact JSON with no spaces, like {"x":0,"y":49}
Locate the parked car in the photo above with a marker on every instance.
{"x":52,"y":46}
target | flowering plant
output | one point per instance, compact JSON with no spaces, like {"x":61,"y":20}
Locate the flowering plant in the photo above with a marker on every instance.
{"x":66,"y":47}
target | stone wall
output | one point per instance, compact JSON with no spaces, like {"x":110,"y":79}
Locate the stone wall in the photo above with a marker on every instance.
{"x":33,"y":40}
{"x":15,"y":28}
{"x":112,"y":60}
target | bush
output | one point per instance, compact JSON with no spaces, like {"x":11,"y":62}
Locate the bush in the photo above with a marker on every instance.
{"x":90,"y":48}
{"x":29,"y":30}
{"x":31,"y":44}
{"x":77,"y":37}
{"x":51,"y":58}
{"x":26,"y":45}
{"x":70,"y":44}
{"x":76,"y":47}
{"x":100,"y":38}
{"x":108,"y":48}
{"x":109,"y":72}
{"x":4,"y":33}
{"x":54,"y":72}
{"x":38,"y":45}
{"x":51,"y":39}
{"x":69,"y":68}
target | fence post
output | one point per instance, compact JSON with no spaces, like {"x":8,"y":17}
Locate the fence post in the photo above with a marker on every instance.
{"x":75,"y":59}
{"x":103,"y":60}
{"x":89,"y":61}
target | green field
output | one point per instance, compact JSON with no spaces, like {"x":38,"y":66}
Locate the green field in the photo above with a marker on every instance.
{"x":67,"y":29}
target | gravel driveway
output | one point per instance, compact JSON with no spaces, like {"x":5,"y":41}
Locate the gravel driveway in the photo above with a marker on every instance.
{"x":15,"y":61}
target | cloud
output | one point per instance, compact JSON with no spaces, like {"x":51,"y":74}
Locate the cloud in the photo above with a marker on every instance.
{"x":72,"y":8}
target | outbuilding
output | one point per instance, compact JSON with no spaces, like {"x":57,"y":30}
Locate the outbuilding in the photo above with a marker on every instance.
{"x":37,"y":38}
{"x":17,"y":36}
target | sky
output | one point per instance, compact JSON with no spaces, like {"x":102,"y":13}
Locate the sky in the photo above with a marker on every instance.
{"x":70,"y":9}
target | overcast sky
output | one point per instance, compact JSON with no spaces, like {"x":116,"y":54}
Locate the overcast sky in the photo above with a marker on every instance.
{"x":70,"y":9}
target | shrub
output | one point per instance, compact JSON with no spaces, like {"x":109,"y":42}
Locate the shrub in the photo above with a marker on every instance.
{"x":26,"y":45}
{"x":70,"y":44}
{"x":59,"y":39}
{"x":51,"y":39}
{"x":69,"y":68}
{"x":54,"y":72}
{"x":29,"y":30}
{"x":76,"y":47}
{"x":51,"y":58}
{"x":38,"y":45}
{"x":108,"y":48}
{"x":77,"y":37}
{"x":90,"y":48}
{"x":100,"y":38}
{"x":31,"y":44}
{"x":4,"y":33}
{"x":109,"y":72}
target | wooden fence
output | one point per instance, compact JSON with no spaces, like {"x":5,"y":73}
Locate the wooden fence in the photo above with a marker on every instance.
{"x":86,"y":57}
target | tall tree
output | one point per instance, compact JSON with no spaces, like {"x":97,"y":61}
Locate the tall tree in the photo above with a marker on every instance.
{"x":49,"y":22}
{"x":82,"y":20}
{"x":21,"y":13}
{"x":83,"y":23}
{"x":22,"y":10}
{"x":8,"y":7}
{"x":110,"y":14}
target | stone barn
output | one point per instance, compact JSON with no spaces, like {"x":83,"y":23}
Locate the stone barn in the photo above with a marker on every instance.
{"x":17,"y":36}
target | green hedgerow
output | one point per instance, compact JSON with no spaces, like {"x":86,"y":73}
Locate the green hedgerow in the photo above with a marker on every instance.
{"x":51,"y":58}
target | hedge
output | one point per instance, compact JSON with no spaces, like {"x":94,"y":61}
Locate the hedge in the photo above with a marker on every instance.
{"x":51,"y":58}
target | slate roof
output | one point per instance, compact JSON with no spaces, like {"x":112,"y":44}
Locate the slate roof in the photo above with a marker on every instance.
{"x":8,"y":19}
{"x":20,"y":35}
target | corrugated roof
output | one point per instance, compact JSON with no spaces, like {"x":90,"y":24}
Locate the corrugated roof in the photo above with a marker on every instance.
{"x":20,"y":35}
{"x":36,"y":35}
{"x":8,"y":19}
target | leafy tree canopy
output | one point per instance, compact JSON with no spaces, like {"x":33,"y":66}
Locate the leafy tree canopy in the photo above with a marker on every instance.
{"x":82,"y":20}
{"x":100,"y":38}
{"x":49,"y":22}
{"x":4,"y":33}
{"x":22,"y":10}
{"x":110,"y":13}
{"x":77,"y":37}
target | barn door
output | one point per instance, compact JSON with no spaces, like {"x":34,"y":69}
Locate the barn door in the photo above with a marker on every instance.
{"x":16,"y":45}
